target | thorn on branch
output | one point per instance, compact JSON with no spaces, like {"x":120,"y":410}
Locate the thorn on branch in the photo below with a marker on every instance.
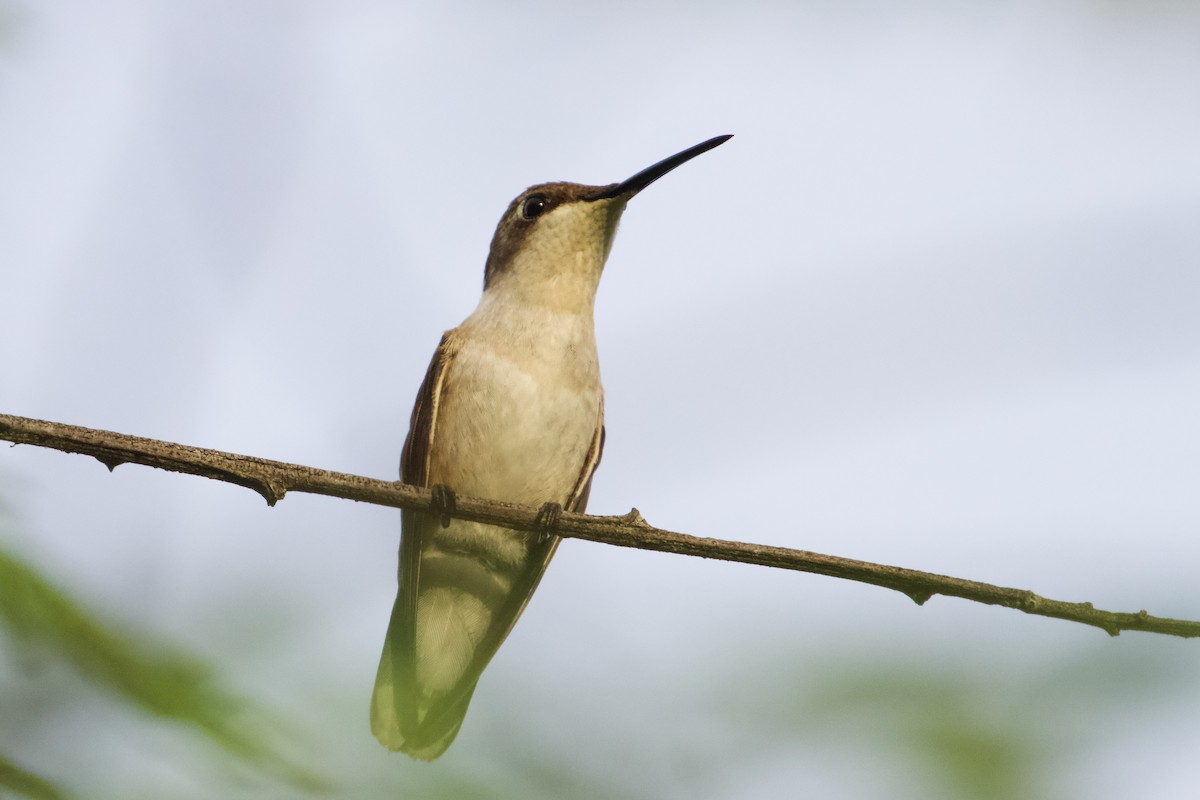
{"x":271,"y":491}
{"x":634,"y":517}
{"x":918,"y":596}
{"x":111,"y":462}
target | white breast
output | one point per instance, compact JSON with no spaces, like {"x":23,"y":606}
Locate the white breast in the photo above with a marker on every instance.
{"x":519,"y":406}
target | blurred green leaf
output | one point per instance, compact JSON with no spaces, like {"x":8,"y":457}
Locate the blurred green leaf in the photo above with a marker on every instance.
{"x":992,"y":728}
{"x":147,"y":672}
{"x":25,"y":783}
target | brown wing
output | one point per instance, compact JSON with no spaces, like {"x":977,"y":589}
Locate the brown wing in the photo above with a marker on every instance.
{"x":391,"y":721}
{"x":414,"y":470}
{"x":414,"y":461}
{"x":578,"y":499}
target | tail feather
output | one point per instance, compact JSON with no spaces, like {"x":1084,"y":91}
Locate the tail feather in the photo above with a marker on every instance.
{"x":462,"y":589}
{"x":405,"y":720}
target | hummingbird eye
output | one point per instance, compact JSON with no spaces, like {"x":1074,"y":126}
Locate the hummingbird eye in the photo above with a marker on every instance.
{"x":534,"y":206}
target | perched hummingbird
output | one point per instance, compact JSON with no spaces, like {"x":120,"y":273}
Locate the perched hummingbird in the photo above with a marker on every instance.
{"x":511,"y":409}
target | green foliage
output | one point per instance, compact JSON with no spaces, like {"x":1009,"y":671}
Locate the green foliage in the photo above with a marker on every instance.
{"x":911,"y":716}
{"x":992,"y":727}
{"x":42,"y":620}
{"x":26,"y":783}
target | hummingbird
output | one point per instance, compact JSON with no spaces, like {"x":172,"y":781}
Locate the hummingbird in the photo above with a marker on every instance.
{"x":511,"y":409}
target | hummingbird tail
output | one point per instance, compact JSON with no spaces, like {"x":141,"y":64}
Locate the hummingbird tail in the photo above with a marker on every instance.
{"x":400,"y":715}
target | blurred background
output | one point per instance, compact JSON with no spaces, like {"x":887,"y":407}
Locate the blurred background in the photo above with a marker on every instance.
{"x":936,"y":305}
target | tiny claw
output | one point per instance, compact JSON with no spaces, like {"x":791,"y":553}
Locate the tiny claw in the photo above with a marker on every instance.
{"x":443,"y":503}
{"x":546,"y":521}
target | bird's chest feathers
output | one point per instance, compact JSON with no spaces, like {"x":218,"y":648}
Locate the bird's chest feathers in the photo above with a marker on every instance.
{"x":519,"y":406}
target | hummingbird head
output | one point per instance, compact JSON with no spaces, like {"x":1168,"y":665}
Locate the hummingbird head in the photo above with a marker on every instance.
{"x":553,"y":240}
{"x":551,"y":231}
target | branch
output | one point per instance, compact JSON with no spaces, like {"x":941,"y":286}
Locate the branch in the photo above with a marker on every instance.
{"x":273,"y":479}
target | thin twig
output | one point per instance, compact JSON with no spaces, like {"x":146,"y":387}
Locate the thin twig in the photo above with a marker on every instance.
{"x":273,"y":479}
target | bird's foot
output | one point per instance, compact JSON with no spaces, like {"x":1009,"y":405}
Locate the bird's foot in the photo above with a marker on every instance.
{"x":547,"y":520}
{"x":443,"y":503}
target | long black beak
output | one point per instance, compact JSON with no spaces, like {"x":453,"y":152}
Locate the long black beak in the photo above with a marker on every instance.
{"x":649,"y":175}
